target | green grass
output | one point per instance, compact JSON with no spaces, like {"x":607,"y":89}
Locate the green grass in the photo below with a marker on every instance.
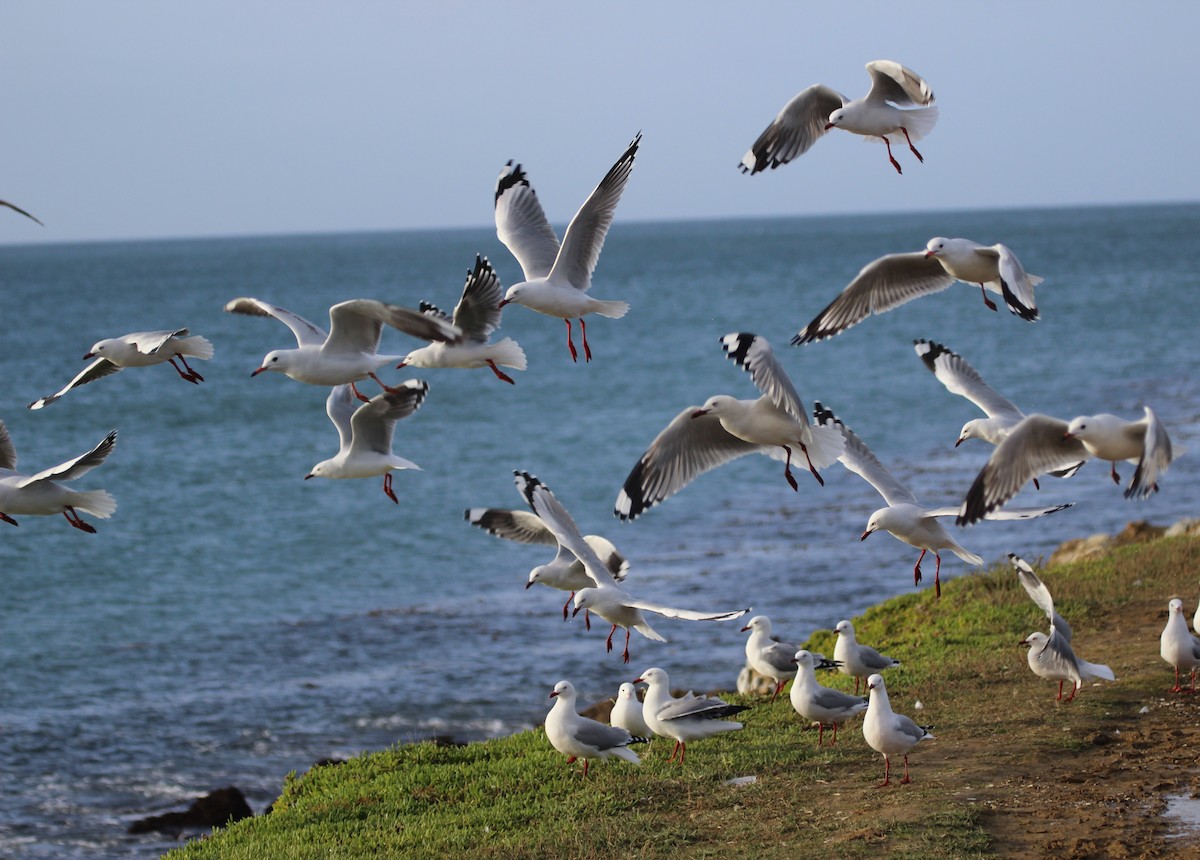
{"x":516,"y":797}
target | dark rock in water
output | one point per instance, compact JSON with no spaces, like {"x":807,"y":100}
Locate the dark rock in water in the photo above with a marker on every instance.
{"x":215,"y":809}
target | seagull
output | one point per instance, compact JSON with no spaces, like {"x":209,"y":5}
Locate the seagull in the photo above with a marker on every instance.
{"x":887,"y":732}
{"x":1178,"y":646}
{"x":42,"y":494}
{"x":857,"y":661}
{"x":350,"y":351}
{"x":685,"y":719}
{"x":627,"y":712}
{"x":557,"y":278}
{"x":476,"y":315}
{"x":767,"y":656}
{"x":604,"y":597}
{"x":893,"y":280}
{"x":960,"y":378}
{"x":564,"y":572}
{"x":822,"y":705}
{"x":700,"y":438}
{"x":1041,"y":444}
{"x":904,"y":518}
{"x":139,"y":349}
{"x":876,"y":115}
{"x":576,"y":736}
{"x":21,"y":211}
{"x":365,"y":433}
{"x":1040,"y":595}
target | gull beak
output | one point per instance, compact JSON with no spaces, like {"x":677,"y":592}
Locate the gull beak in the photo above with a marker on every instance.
{"x":89,"y":355}
{"x":309,"y":475}
{"x":503,"y":302}
{"x":929,"y":254}
{"x":1068,"y":435}
{"x":637,"y":681}
{"x":529,"y":585}
{"x":959,"y":442}
{"x":401,"y":364}
{"x":744,"y":629}
{"x":575,"y":611}
{"x":865,"y":534}
{"x":257,"y":372}
{"x":828,"y":126}
{"x":699,"y":412}
{"x":552,"y":695}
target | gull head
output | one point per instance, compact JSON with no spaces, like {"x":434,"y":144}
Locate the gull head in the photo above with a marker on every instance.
{"x":716,"y":405}
{"x":585,"y":598}
{"x":100,"y":347}
{"x":803,"y":658}
{"x":563,"y":688}
{"x":535,"y":575}
{"x":835,"y":119}
{"x":1078,"y":428}
{"x":627,"y":691}
{"x":844,"y":628}
{"x":277,"y":360}
{"x":512,"y":296}
{"x":935,"y":246}
{"x":321,"y":470}
{"x":759,"y":624}
{"x":1175,"y":607}
{"x":875,"y":682}
{"x":971,"y":430}
{"x":653,"y":675}
{"x":1038,"y":639}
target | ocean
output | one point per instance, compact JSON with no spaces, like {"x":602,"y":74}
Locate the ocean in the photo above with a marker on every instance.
{"x":232,"y":622}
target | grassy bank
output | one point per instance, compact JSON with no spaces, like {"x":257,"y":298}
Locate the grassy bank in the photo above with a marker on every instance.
{"x":996,"y":725}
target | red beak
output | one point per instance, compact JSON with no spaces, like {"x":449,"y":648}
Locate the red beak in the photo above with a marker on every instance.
{"x":699,"y":412}
{"x":828,"y":126}
{"x":503,"y":302}
{"x":865,"y":535}
{"x":552,"y":695}
{"x":744,"y":629}
{"x":257,"y":372}
{"x":89,"y":355}
{"x":575,"y":611}
{"x":309,"y":475}
{"x":928,"y":254}
{"x":636,"y":681}
{"x":528,"y":584}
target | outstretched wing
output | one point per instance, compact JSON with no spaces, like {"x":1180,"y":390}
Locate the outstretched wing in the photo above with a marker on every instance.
{"x":77,"y":466}
{"x":859,"y":459}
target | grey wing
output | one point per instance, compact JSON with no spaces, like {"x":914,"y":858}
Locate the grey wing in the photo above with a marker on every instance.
{"x":909,"y":729}
{"x":357,"y":325}
{"x":780,"y":655}
{"x":477,"y":313}
{"x":754,"y":355}
{"x":860,"y":460}
{"x":1033,"y":447}
{"x":8,"y":451}
{"x":1058,"y":658}
{"x":1156,"y":457}
{"x":616,"y":563}
{"x":960,"y":378}
{"x":593,"y":734}
{"x":514,"y":525}
{"x":1018,"y":513}
{"x":880,"y":286}
{"x":150,"y":342}
{"x":551,"y":512}
{"x":1040,"y":595}
{"x":98,"y":369}
{"x":19,"y":210}
{"x":684,"y":450}
{"x":77,"y":466}
{"x":585,"y":234}
{"x":836,"y":700}
{"x":688,"y":614}
{"x":340,"y":406}
{"x":305,"y":332}
{"x":872,"y":659}
{"x":697,"y":707}
{"x":892,"y":82}
{"x":521,"y":224}
{"x":372,"y":423}
{"x":794,"y":130}
{"x":1015,"y":285}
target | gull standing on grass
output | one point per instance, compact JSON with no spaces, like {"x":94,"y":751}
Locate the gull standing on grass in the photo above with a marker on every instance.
{"x":627,"y":712}
{"x":139,"y":349}
{"x":688,"y":718}
{"x":604,"y":597}
{"x":768,"y":656}
{"x":822,"y":705}
{"x":857,"y":661}
{"x":578,"y":737}
{"x":701,"y":438}
{"x":365,"y":433}
{"x":476,"y":315}
{"x":557,"y":277}
{"x":904,"y":518}
{"x":350,"y":351}
{"x":887,"y":732}
{"x":1042,"y":444}
{"x":564,"y":572}
{"x":42,"y":494}
{"x":878,"y":114}
{"x":1178,"y":646}
{"x":893,"y":280}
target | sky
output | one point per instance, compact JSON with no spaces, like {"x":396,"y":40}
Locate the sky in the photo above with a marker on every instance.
{"x":134,"y":119}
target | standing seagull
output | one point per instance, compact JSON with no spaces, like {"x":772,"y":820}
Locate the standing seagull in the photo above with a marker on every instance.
{"x":895,"y":279}
{"x":557,"y":278}
{"x":1042,"y":444}
{"x":700,"y":438}
{"x":857,"y":661}
{"x":627,"y":712}
{"x":1178,"y":646}
{"x":767,"y":656}
{"x":365,"y":433}
{"x":822,"y":705}
{"x":904,"y":518}
{"x":42,"y":494}
{"x":350,"y":351}
{"x":604,"y":597}
{"x":476,"y":315}
{"x":876,"y":115}
{"x":139,"y":349}
{"x":685,"y":719}
{"x":576,"y":736}
{"x":887,"y":732}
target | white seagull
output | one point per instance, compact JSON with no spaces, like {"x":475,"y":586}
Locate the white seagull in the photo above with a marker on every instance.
{"x":878,"y":114}
{"x":557,"y":278}
{"x":1178,"y":646}
{"x":688,"y":718}
{"x":887,"y":732}
{"x":476,"y":315}
{"x":578,"y":737}
{"x":950,"y":369}
{"x":905,"y":518}
{"x":857,"y":661}
{"x":768,"y":656}
{"x":604,"y":597}
{"x":564,"y":572}
{"x":1039,"y":594}
{"x":139,"y":349}
{"x":893,"y":280}
{"x":627,"y":712}
{"x":350,"y":351}
{"x":42,"y":494}
{"x":1043,"y":444}
{"x":701,"y":438}
{"x":823,"y":705}
{"x":365,"y":433}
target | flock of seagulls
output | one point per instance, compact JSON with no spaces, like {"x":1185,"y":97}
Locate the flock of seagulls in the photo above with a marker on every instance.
{"x":899,"y":108}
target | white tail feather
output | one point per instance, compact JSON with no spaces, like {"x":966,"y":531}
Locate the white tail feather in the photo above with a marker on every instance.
{"x":509,"y":353}
{"x":826,"y":446}
{"x":613,"y":310}
{"x":195,"y":346}
{"x":98,"y":503}
{"x":968,"y":557}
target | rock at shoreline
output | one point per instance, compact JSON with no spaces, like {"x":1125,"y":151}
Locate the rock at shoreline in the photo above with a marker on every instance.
{"x":215,"y":809}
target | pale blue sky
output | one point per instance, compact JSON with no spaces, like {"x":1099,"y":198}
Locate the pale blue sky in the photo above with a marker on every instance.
{"x":141,"y":119}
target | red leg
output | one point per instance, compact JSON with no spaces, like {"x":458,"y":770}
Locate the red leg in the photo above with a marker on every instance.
{"x":1058,"y":698}
{"x":834,"y":741}
{"x":682,"y":750}
{"x":1074,"y":689}
{"x":587,"y":620}
{"x":887,"y":770}
{"x":587,"y":350}
{"x":674,"y":750}
{"x":1176,"y":688}
{"x":811,"y":468}
{"x":625,"y":653}
{"x":910,"y":145}
{"x":916,"y":572}
{"x":608,"y":643}
{"x":991,"y":305}
{"x":73,"y":519}
{"x":821,"y":732}
{"x":387,"y":487}
{"x":500,"y":374}
{"x":568,"y":603}
{"x":586,"y":761}
{"x":1116,"y":478}
{"x":571,"y":343}
{"x":856,"y":685}
{"x":937,"y":574}
{"x":787,"y":470}
{"x":359,"y":394}
{"x":906,"y":778}
{"x":778,"y":687}
{"x":895,"y":164}
{"x":191,"y":375}
{"x":383,"y":384}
